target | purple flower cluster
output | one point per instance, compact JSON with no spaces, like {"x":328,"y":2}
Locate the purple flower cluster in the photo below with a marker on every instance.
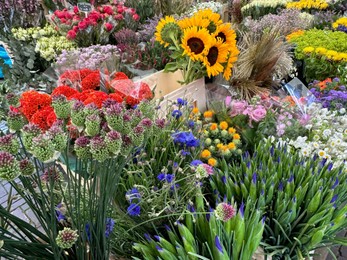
{"x":91,"y":57}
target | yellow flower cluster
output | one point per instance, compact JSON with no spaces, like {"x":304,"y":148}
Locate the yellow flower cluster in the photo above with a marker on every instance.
{"x":308,"y":4}
{"x":221,"y":141}
{"x":341,"y":21}
{"x":204,"y":38}
{"x":328,"y":54}
{"x":294,"y":35}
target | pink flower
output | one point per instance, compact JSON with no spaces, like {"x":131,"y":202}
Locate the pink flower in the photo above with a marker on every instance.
{"x":118,"y":17}
{"x":71,"y":35}
{"x":228,"y":101}
{"x":108,"y":26}
{"x":258,"y":114}
{"x":224,"y":211}
{"x":75,"y":28}
{"x":136,"y":17}
{"x":75,"y":10}
{"x":304,"y":119}
{"x":238,"y":107}
{"x":108,"y":9}
{"x":83,"y":25}
{"x":120,"y":9}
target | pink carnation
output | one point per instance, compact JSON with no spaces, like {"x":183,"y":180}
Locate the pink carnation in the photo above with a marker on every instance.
{"x":118,"y":17}
{"x":136,"y":17}
{"x":71,"y":35}
{"x":108,"y":9}
{"x":108,"y":26}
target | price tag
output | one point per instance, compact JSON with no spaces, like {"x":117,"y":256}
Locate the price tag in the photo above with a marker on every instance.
{"x":84,"y":7}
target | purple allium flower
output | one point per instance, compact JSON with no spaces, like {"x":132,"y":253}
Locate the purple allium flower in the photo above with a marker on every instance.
{"x":146,"y":122}
{"x":160,"y":123}
{"x":176,"y":113}
{"x":113,"y":135}
{"x":9,"y":144}
{"x":26,"y":167}
{"x":218,"y":244}
{"x":134,"y":210}
{"x":9,"y":166}
{"x":32,"y":129}
{"x":224,"y":211}
{"x":126,"y":140}
{"x":138,"y":130}
{"x":109,"y":226}
{"x":66,"y":238}
{"x":51,"y":174}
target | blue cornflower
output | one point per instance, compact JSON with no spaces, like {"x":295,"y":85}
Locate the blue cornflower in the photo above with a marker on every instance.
{"x":174,"y":187}
{"x":176,"y":114}
{"x":161,"y":176}
{"x":182,"y":102}
{"x":196,"y":163}
{"x":132,"y":194}
{"x":185,"y":138}
{"x":170,"y":177}
{"x":185,"y":153}
{"x":134,"y":210}
{"x":191,"y":124}
{"x":109,"y":226}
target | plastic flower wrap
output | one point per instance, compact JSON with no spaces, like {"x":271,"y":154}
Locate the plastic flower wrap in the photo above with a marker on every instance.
{"x":95,"y":27}
{"x":201,"y":45}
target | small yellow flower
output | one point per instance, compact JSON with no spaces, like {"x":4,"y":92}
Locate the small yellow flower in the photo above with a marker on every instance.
{"x":308,"y":50}
{"x":213,"y":126}
{"x":320,"y":51}
{"x":231,"y":130}
{"x":223,"y":125}
{"x":294,"y":35}
{"x":219,"y":145}
{"x":236,"y":137}
{"x":321,"y":153}
{"x":205,"y":154}
{"x":212,"y":162}
{"x":232,"y":146}
{"x":195,"y":110}
{"x":208,"y":114}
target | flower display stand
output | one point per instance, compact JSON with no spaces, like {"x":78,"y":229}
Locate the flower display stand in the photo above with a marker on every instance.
{"x":166,"y":87}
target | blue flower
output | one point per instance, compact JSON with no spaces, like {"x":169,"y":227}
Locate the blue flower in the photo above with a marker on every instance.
{"x":176,"y":114}
{"x":218,"y":244}
{"x":134,"y":210}
{"x":185,"y":153}
{"x":196,"y":163}
{"x":185,"y":138}
{"x":109,"y":226}
{"x":161,"y":176}
{"x":191,"y":124}
{"x":174,"y":187}
{"x":170,"y":177}
{"x":182,"y":102}
{"x":132,"y":194}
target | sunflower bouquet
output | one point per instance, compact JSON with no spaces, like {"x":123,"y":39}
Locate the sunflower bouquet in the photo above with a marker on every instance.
{"x":201,"y":45}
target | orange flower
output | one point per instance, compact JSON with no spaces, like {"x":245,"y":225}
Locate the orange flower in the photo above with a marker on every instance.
{"x":223,"y":125}
{"x":232,"y":130}
{"x":231,"y":146}
{"x":195,"y":110}
{"x":236,"y":137}
{"x":219,"y":146}
{"x":323,"y":84}
{"x":212,"y":162}
{"x":208,"y":114}
{"x":290,"y":100}
{"x":205,"y":154}
{"x":213,"y":126}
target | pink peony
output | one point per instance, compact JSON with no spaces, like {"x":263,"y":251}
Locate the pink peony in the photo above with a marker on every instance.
{"x":108,"y":9}
{"x":120,"y":9}
{"x":83,"y":25}
{"x":75,"y":10}
{"x":136,"y":17}
{"x":118,"y":17}
{"x":108,"y":26}
{"x":238,"y":107}
{"x":257,"y":114}
{"x":71,"y":35}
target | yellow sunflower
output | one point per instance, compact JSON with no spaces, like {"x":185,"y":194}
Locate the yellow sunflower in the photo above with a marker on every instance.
{"x":165,"y":27}
{"x":226,"y":33}
{"x":231,"y":60}
{"x":214,"y":18}
{"x":196,"y":42}
{"x":217,"y":54}
{"x":193,"y":21}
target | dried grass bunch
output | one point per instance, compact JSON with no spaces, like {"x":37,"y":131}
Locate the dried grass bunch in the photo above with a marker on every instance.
{"x":264,"y":59}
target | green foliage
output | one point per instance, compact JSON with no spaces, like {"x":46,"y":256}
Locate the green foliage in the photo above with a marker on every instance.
{"x":303,"y":199}
{"x":144,"y":8}
{"x":202,"y":235}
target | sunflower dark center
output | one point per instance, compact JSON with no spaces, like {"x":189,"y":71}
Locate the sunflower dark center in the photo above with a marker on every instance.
{"x":212,"y":55}
{"x":222,"y":36}
{"x":196,"y":45}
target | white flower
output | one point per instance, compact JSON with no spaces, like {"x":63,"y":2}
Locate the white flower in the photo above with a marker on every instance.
{"x":321,"y":153}
{"x":326,"y":133}
{"x":342,"y":110}
{"x":308,"y":127}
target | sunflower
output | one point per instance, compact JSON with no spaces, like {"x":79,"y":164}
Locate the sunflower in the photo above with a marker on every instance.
{"x":196,"y":42}
{"x":217,"y":54}
{"x":214,"y":19}
{"x":226,"y":33}
{"x":231,"y":60}
{"x":167,"y":28}
{"x":193,"y":21}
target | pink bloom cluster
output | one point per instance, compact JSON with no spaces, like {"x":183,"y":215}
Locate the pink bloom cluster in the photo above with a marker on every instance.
{"x":256,"y":113}
{"x":104,"y":16}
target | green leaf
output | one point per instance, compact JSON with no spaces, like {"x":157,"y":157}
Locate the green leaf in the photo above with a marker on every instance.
{"x":171,"y":67}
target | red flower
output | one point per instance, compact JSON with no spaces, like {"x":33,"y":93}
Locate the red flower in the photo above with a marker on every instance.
{"x":144,"y":91}
{"x":136,"y":17}
{"x":116,"y":97}
{"x":85,"y":72}
{"x":40,"y":117}
{"x":118,"y":17}
{"x":71,"y":35}
{"x":119,"y":76}
{"x":81,"y":96}
{"x":83,"y":25}
{"x":108,"y":9}
{"x":75,"y":10}
{"x":108,"y":26}
{"x":96,"y":97}
{"x":131,"y":101}
{"x":51,"y":118}
{"x":64,"y":90}
{"x":92,"y":81}
{"x":31,"y":101}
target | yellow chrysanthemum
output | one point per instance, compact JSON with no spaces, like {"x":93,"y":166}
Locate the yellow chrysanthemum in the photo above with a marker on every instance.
{"x":321,"y":51}
{"x":223,"y":125}
{"x":294,"y":35}
{"x":236,"y":137}
{"x":231,"y":130}
{"x":193,"y":21}
{"x":308,"y":50}
{"x":196,"y":42}
{"x":214,"y":19}
{"x":205,"y":154}
{"x":208,"y":114}
{"x":330,"y":54}
{"x":213,"y":126}
{"x":341,"y":21}
{"x":165,"y":26}
{"x":216,"y":55}
{"x":232,"y":146}
{"x":219,"y":146}
{"x":212,"y":162}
